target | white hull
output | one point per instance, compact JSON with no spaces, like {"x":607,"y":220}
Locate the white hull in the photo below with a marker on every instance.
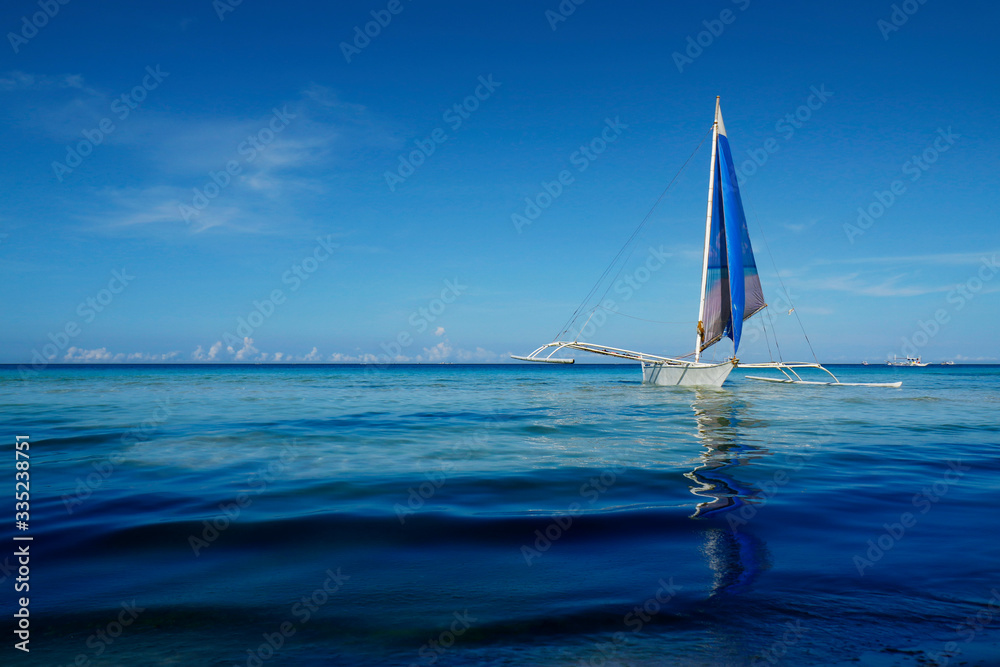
{"x":686,"y":375}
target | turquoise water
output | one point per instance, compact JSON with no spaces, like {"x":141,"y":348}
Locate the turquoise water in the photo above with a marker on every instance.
{"x":541,"y":515}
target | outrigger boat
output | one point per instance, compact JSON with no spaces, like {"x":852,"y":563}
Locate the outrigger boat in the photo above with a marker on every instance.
{"x":909,"y":361}
{"x":730,"y":294}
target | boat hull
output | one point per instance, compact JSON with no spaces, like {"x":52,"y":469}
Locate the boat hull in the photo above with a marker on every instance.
{"x":673,"y":375}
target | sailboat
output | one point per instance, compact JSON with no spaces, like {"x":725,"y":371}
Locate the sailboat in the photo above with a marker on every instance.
{"x":730,"y":293}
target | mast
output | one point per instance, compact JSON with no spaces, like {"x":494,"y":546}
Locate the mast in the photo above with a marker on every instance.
{"x":708,"y":232}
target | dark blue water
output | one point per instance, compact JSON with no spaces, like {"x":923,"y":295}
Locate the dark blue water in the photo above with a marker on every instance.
{"x":456,"y":515}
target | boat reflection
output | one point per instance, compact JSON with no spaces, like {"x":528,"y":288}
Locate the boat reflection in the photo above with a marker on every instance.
{"x":734,"y":553}
{"x":722,"y":420}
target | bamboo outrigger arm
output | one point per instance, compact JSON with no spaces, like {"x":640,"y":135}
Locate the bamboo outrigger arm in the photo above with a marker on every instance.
{"x":600,"y":349}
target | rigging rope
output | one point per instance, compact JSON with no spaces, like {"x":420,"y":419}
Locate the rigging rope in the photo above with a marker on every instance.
{"x":593,"y":290}
{"x":781,"y":282}
{"x":642,"y":319}
{"x":770,"y":314}
{"x":767,"y":339}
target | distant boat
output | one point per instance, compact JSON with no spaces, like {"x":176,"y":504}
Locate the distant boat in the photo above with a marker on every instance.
{"x":730,"y":292}
{"x":864,"y":363}
{"x":909,"y":361}
{"x":947,"y":363}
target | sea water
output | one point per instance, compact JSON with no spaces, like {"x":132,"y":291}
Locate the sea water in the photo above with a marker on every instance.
{"x":508,"y":514}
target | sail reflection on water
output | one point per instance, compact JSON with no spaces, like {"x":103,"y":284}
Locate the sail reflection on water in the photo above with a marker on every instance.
{"x":721,"y":419}
{"x":736,"y":556}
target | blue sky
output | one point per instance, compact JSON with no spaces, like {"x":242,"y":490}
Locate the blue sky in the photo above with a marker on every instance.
{"x":204,"y":181}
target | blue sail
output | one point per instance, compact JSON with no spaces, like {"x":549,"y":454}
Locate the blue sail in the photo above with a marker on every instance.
{"x":717,"y":310}
{"x":734,"y":223}
{"x":733,"y":291}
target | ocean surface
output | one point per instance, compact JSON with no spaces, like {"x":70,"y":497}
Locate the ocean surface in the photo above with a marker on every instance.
{"x":502,"y":515}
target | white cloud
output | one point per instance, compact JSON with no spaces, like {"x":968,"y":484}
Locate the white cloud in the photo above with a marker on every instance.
{"x":101,"y":355}
{"x":814,"y":310}
{"x":249,"y":352}
{"x":245,"y":353}
{"x":889,"y":287}
{"x":78,"y":354}
{"x":440,"y":352}
{"x":124,"y":209}
{"x":954,"y":258}
{"x":479,"y":355}
{"x":211,"y":355}
{"x":177,"y":152}
{"x":439,"y":331}
{"x":444,"y":351}
{"x":17,"y":80}
{"x":340,"y":358}
{"x":799,"y":227}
